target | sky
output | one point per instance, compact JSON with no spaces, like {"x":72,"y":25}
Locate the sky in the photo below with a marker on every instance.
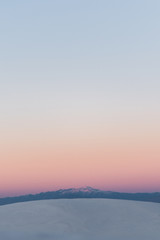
{"x":79,"y":95}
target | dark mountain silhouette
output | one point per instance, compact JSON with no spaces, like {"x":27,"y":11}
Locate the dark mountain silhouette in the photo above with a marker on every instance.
{"x":86,"y":192}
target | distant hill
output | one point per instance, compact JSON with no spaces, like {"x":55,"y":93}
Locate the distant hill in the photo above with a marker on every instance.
{"x":86,"y":192}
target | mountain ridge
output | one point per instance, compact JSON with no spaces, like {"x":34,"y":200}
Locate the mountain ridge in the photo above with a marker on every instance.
{"x":83,"y":192}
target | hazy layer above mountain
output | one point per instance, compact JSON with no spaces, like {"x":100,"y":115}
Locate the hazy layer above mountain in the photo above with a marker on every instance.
{"x":87,"y":219}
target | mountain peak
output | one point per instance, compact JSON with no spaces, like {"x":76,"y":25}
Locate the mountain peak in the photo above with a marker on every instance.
{"x":81,"y":189}
{"x":87,"y":189}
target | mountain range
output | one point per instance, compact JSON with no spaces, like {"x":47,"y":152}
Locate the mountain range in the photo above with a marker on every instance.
{"x":86,"y":192}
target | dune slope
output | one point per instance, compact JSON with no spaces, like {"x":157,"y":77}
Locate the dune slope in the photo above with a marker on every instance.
{"x":80,"y":219}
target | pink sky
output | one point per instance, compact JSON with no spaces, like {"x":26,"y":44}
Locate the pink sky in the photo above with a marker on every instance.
{"x":114,"y":159}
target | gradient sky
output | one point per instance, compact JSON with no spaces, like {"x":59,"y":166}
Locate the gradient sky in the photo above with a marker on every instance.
{"x":79,"y":95}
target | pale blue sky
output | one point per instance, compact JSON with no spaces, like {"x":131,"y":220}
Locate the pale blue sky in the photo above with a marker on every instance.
{"x":93,"y":57}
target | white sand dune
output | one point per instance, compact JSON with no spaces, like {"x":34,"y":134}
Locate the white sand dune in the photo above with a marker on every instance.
{"x":80,"y":219}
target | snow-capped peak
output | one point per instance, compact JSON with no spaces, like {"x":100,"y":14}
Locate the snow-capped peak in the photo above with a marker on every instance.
{"x":82,"y":189}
